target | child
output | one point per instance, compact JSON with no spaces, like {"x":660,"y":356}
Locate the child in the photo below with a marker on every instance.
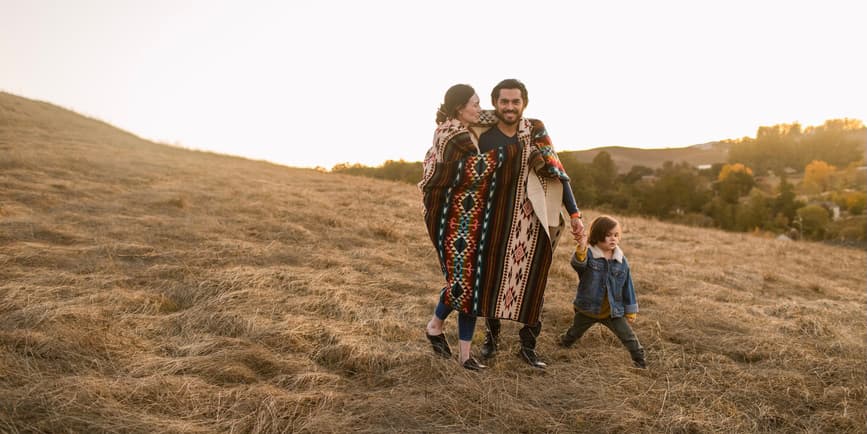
{"x":605,"y":292}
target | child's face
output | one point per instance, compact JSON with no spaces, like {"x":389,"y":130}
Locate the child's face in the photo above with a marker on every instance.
{"x":612,"y":239}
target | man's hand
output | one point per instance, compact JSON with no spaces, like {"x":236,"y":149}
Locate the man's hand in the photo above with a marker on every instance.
{"x":577,"y":228}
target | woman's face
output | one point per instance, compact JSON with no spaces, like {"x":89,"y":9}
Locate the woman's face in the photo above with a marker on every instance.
{"x":471,"y":111}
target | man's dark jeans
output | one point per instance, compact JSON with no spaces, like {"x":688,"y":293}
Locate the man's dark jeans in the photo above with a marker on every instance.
{"x":528,"y":334}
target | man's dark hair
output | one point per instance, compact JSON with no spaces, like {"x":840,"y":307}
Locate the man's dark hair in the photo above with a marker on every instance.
{"x":599,"y":229}
{"x":509,"y":83}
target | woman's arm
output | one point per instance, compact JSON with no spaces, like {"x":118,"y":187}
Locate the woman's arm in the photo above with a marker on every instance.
{"x":459,"y":147}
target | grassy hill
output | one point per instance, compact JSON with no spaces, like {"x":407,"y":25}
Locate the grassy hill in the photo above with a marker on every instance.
{"x":625,"y":158}
{"x":146,"y":288}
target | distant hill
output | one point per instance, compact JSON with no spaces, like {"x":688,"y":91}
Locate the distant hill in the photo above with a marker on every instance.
{"x":148,"y":288}
{"x":625,"y":157}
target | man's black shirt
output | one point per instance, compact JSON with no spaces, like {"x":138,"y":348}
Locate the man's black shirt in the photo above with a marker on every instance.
{"x":494,"y":138}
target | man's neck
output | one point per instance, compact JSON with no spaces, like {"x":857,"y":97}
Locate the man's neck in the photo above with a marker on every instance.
{"x":508,"y":130}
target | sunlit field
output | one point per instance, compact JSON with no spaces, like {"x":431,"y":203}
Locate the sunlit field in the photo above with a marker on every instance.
{"x":147,"y":288}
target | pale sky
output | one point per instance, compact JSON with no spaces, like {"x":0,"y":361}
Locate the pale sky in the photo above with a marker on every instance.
{"x":317,"y":83}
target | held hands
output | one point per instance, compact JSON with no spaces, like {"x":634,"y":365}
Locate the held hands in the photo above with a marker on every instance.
{"x":582,"y":242}
{"x":578,"y":230}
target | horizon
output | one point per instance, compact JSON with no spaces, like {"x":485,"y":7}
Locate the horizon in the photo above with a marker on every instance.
{"x":378,"y":164}
{"x":318,"y":85}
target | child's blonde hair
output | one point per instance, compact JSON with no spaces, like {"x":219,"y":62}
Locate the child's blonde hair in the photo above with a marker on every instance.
{"x":600,"y":227}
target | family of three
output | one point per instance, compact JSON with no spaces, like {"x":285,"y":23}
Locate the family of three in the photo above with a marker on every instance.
{"x":494,"y":192}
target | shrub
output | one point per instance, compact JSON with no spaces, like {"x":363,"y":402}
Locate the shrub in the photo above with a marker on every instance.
{"x":814,"y":219}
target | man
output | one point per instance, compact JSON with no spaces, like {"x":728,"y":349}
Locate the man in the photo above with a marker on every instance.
{"x":509,"y":99}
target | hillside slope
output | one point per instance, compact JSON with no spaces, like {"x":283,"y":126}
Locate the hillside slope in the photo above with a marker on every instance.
{"x":145,"y":288}
{"x":624,"y":158}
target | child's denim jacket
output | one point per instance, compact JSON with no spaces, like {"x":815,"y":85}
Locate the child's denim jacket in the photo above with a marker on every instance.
{"x":600,"y":276}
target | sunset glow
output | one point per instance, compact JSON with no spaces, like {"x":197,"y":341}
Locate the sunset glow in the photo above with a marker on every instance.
{"x":314,"y":84}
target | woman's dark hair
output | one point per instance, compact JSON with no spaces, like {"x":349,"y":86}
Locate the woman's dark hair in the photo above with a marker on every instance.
{"x":509,"y":83}
{"x":599,"y":229}
{"x":456,"y":97}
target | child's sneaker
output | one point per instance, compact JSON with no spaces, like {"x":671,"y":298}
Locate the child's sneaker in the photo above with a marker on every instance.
{"x":640,"y":363}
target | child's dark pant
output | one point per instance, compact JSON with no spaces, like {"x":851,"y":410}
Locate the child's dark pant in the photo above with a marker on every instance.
{"x":620,"y":327}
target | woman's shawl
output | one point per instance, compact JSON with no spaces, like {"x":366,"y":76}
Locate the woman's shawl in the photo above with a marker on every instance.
{"x":493,"y":251}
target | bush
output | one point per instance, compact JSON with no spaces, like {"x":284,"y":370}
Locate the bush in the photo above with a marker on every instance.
{"x":853,"y":230}
{"x":856,"y":202}
{"x":814,"y":219}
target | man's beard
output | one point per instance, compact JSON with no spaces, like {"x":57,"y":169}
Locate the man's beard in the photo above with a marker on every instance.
{"x":502,"y":116}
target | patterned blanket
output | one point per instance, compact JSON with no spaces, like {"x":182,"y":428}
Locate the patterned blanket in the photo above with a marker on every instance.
{"x":493,"y":249}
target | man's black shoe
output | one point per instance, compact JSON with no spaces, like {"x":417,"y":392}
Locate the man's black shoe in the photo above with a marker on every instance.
{"x":529,"y":356}
{"x":489,"y":347}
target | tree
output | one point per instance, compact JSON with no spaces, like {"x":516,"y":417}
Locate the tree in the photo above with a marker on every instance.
{"x":754,"y":213}
{"x":400,"y":171}
{"x":837,"y":141}
{"x":813,"y":219}
{"x":678,"y":190}
{"x":635,"y":174}
{"x":734,"y":181}
{"x":852,"y":201}
{"x":722,"y":212}
{"x":785,"y":203}
{"x":604,"y":172}
{"x":582,"y":181}
{"x":817,"y":176}
{"x":730,"y":169}
{"x":772,"y":149}
{"x":857,"y":202}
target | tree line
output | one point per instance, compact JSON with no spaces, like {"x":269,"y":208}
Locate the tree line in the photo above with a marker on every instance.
{"x":399,"y":170}
{"x":731,"y":196}
{"x":802,"y":182}
{"x":838,"y":142}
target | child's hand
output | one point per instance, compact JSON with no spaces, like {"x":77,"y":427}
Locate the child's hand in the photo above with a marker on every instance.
{"x":630,"y":318}
{"x":582,"y":241}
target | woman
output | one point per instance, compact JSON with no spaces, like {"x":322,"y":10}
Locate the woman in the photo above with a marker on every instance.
{"x":453,"y":142}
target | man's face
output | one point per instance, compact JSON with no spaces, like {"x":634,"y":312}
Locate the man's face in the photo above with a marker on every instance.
{"x":510,"y":106}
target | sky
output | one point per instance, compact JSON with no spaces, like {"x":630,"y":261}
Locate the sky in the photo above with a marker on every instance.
{"x":318,"y":83}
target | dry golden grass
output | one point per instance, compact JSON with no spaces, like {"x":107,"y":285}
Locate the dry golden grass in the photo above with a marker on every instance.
{"x":145,"y":288}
